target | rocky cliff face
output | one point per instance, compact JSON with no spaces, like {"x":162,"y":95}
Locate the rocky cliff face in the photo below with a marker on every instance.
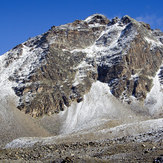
{"x":50,"y":71}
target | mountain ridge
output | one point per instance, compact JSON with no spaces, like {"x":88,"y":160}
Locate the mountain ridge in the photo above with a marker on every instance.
{"x":110,"y":43}
{"x":91,"y":87}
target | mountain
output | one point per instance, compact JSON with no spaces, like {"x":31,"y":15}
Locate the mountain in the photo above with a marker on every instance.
{"x":89,"y":76}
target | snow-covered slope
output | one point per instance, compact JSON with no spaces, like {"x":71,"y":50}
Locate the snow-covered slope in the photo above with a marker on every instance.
{"x":98,"y":107}
{"x":154,"y":100}
{"x":18,"y":64}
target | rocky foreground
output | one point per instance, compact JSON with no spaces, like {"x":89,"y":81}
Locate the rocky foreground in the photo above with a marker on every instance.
{"x":147,"y":147}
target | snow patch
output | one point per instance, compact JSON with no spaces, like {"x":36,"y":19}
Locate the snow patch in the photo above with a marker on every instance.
{"x":135,"y":76}
{"x":22,"y":142}
{"x":153,"y":42}
{"x":81,"y":73}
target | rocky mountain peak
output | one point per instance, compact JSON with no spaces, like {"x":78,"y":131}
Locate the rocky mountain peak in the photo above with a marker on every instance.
{"x":92,"y":85}
{"x":127,"y":19}
{"x":97,"y":18}
{"x":51,"y":71}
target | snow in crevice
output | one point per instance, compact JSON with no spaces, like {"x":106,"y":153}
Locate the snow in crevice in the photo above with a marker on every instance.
{"x":134,"y":77}
{"x":154,"y":99}
{"x":96,"y":25}
{"x":123,"y":96}
{"x":82,"y":70}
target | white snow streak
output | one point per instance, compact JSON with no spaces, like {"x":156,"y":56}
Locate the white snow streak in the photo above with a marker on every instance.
{"x":154,"y":100}
{"x":154,"y":43}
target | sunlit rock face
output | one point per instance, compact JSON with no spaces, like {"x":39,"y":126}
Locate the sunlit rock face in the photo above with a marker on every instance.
{"x":51,"y":72}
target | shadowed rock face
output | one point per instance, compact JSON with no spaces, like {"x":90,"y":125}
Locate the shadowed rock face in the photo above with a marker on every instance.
{"x":66,"y":69}
{"x":141,"y":60}
{"x":55,"y":89}
{"x":52,"y":83}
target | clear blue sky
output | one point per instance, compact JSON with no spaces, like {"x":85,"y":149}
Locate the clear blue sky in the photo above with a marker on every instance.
{"x":21,"y":19}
